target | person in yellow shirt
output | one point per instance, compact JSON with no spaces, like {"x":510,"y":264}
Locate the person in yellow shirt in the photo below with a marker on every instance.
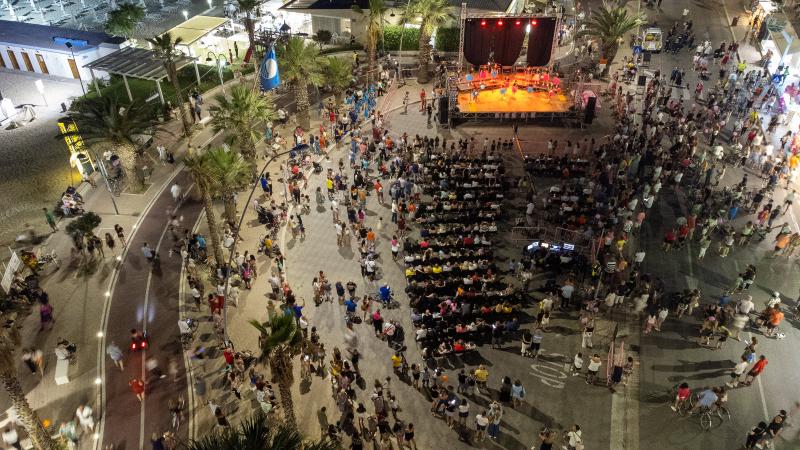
{"x":481,"y":376}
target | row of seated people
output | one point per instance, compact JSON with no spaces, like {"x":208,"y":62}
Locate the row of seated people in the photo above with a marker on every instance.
{"x":557,"y":167}
{"x":445,"y":206}
{"x":445,"y":224}
{"x":457,"y":288}
{"x":464,"y":159}
{"x":481,"y":269}
{"x":470,"y":301}
{"x":447,"y":243}
{"x":442,"y":257}
{"x":489,"y":195}
{"x":461,"y":187}
{"x":464,"y":264}
{"x":461,"y":175}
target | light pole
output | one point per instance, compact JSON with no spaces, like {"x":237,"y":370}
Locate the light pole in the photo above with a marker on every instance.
{"x":221,"y":61}
{"x":239,"y":227}
{"x":71,"y":52}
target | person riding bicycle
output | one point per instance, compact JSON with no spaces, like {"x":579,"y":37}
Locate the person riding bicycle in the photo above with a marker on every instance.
{"x":683,"y":396}
{"x":706,"y":400}
{"x":385,"y":293}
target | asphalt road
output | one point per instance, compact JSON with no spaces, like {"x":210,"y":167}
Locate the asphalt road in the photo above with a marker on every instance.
{"x":147,"y":299}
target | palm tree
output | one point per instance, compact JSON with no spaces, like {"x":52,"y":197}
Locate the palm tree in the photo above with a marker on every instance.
{"x":123,"y":20}
{"x":205,"y":175}
{"x":301,"y":67}
{"x":338,"y":75}
{"x":280,"y":341}
{"x":433,"y":14}
{"x":103,"y":121}
{"x":9,"y":342}
{"x":240,"y":115}
{"x":375,"y":22}
{"x":165,"y":47}
{"x":249,"y":7}
{"x":609,"y":25}
{"x":255,"y":434}
{"x":231,"y":174}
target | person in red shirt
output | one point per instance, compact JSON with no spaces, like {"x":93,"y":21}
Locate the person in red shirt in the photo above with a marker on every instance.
{"x":669,"y":240}
{"x":756,"y":370}
{"x":683,"y":232}
{"x":229,"y":356}
{"x":137,"y":386}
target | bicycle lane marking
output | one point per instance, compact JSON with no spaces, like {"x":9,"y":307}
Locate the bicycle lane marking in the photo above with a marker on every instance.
{"x":100,"y":397}
{"x":146,"y":317}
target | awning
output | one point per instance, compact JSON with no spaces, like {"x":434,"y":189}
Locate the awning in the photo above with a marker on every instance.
{"x":136,"y":63}
{"x":196,"y":28}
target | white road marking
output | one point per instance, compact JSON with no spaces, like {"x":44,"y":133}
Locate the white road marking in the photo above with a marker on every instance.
{"x":101,"y":360}
{"x":146,"y":317}
{"x":760,"y":388}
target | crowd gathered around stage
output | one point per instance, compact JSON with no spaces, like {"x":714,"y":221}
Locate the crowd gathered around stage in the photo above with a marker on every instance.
{"x":437,"y":205}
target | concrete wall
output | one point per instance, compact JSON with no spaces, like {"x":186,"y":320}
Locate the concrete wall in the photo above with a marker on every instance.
{"x":56,"y":61}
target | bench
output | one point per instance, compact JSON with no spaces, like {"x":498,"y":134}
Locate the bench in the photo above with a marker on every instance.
{"x":62,"y":371}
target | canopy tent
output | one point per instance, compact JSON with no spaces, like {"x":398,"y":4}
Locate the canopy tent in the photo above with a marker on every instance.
{"x":137,"y":63}
{"x":195,"y":29}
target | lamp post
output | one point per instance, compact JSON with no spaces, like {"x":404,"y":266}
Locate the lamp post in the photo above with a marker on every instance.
{"x":71,"y":52}
{"x":235,"y":241}
{"x":402,"y":33}
{"x":221,"y":61}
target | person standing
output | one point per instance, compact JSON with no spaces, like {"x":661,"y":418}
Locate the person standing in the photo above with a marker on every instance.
{"x":116,"y":355}
{"x":408,"y":437}
{"x":594,"y":366}
{"x":756,"y":370}
{"x":481,"y":422}
{"x":517,"y":393}
{"x":51,"y":220}
{"x":175,"y":190}
{"x":405,"y":103}
{"x":11,"y":437}
{"x":85,"y":418}
{"x":574,"y":438}
{"x":736,"y":373}
{"x":120,"y":234}
{"x":137,"y":387}
{"x":34,"y":360}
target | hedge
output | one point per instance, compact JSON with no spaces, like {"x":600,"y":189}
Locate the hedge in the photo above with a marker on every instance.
{"x":447,"y":39}
{"x":391,"y":37}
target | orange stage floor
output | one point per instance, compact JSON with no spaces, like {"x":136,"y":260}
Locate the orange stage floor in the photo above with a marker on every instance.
{"x":492,"y":101}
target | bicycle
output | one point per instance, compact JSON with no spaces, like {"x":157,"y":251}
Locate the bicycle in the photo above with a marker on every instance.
{"x":713,"y":417}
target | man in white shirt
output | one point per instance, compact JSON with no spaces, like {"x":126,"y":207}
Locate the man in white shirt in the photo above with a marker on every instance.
{"x":175,"y":190}
{"x":10,"y":437}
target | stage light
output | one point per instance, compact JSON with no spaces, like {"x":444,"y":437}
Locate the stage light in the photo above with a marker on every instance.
{"x":533,"y":22}
{"x":483,"y":23}
{"x":518,"y":22}
{"x":499,"y":23}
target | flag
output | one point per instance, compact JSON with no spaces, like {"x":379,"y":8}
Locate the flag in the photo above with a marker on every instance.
{"x":270,"y":78}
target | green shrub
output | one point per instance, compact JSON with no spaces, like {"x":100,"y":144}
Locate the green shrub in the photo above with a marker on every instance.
{"x":447,"y":39}
{"x":84,"y":224}
{"x":391,"y":37}
{"x":342,"y":48}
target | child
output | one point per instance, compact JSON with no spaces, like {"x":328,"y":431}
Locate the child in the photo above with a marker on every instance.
{"x":577,"y":364}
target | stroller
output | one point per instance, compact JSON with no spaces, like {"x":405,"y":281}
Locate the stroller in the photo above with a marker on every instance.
{"x":387,"y":297}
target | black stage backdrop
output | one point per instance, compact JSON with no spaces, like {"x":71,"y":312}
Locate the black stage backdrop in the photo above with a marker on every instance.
{"x":502,"y":42}
{"x":540,"y":41}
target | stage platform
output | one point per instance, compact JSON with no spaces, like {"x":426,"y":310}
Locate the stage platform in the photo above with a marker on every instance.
{"x":492,"y":101}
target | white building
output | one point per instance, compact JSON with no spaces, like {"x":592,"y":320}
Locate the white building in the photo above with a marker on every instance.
{"x":43,"y":49}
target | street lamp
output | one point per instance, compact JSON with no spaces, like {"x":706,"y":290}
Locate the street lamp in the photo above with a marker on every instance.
{"x":71,"y":52}
{"x":235,"y":241}
{"x":221,"y":62}
{"x":185,"y":14}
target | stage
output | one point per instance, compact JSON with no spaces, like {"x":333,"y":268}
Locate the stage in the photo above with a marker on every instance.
{"x":492,"y":101}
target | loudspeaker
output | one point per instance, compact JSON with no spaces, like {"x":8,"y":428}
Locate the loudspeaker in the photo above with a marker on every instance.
{"x":641,"y":81}
{"x":444,"y":109}
{"x":588,"y":113}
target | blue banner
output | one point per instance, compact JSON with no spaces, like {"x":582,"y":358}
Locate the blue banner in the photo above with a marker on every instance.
{"x":270,"y":78}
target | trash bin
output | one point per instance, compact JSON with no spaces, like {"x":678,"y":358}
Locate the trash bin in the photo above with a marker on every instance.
{"x":86,"y":164}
